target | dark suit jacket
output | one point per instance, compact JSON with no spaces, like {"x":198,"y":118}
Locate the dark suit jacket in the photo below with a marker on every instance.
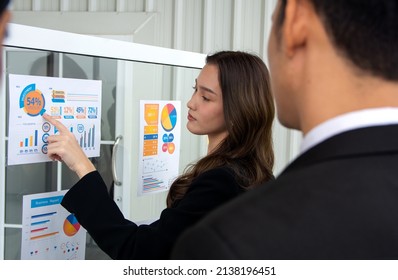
{"x":339,"y":200}
{"x":123,"y":239}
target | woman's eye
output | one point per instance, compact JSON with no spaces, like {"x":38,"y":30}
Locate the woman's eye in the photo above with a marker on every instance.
{"x":205,"y":98}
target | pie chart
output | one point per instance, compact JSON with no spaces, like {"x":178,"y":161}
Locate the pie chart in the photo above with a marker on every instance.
{"x":169,"y":117}
{"x":71,"y":225}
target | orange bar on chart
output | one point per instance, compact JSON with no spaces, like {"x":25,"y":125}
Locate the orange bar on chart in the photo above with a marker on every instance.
{"x":150,"y":149}
{"x":151,"y":114}
{"x":151,"y":129}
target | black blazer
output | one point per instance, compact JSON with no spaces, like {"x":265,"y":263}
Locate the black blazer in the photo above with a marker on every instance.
{"x":339,"y":200}
{"x":123,"y":239}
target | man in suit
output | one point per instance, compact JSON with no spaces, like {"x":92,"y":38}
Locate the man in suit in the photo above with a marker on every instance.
{"x":334,"y":74}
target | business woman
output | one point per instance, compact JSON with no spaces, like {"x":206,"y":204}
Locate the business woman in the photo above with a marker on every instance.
{"x":232,"y":104}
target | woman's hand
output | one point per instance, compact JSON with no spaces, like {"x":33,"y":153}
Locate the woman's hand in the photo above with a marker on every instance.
{"x":64,"y":147}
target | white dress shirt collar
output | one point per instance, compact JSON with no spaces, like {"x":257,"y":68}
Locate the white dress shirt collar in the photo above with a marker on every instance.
{"x":349,"y":121}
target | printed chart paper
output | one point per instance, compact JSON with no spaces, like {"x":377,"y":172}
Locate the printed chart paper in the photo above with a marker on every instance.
{"x":76,"y":103}
{"x":49,"y":231}
{"x":160,"y":130}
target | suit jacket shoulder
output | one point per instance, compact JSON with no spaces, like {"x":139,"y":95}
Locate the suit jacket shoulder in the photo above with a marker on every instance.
{"x":336,"y":201}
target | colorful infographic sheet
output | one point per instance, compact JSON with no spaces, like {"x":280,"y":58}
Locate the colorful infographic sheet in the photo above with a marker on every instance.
{"x":76,"y":103}
{"x":160,"y":130}
{"x":49,"y":231}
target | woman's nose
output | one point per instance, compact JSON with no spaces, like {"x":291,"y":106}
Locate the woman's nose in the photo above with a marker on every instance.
{"x":191,"y":103}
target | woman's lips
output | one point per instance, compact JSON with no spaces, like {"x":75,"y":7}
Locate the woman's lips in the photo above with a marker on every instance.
{"x":190,"y":118}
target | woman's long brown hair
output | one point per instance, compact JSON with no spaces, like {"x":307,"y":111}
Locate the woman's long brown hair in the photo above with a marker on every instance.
{"x":249,"y":113}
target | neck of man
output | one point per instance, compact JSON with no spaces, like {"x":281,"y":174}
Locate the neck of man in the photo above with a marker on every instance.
{"x":338,"y":87}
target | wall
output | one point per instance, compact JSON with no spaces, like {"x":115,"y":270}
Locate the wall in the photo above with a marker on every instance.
{"x":192,"y":25}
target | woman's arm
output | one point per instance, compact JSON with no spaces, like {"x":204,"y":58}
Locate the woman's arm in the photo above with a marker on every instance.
{"x":123,"y":239}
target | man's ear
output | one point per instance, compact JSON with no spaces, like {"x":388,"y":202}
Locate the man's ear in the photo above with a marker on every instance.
{"x":295,"y":26}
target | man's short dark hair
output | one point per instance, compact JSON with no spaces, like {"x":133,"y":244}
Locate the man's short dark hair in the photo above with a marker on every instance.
{"x":3,"y":5}
{"x":364,"y":31}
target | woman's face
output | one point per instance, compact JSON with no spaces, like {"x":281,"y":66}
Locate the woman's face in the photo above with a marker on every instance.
{"x":206,"y":114}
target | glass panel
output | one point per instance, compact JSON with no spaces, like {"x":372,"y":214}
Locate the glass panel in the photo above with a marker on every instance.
{"x":39,"y":63}
{"x":42,"y":177}
{"x":84,"y":67}
{"x":36,"y":178}
{"x":137,"y":80}
{"x":102,"y":163}
{"x":12,"y":238}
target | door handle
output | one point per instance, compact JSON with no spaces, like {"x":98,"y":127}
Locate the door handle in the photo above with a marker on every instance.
{"x":114,"y":151}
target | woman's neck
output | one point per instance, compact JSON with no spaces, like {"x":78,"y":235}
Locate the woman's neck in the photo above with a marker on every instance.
{"x":214,"y":141}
